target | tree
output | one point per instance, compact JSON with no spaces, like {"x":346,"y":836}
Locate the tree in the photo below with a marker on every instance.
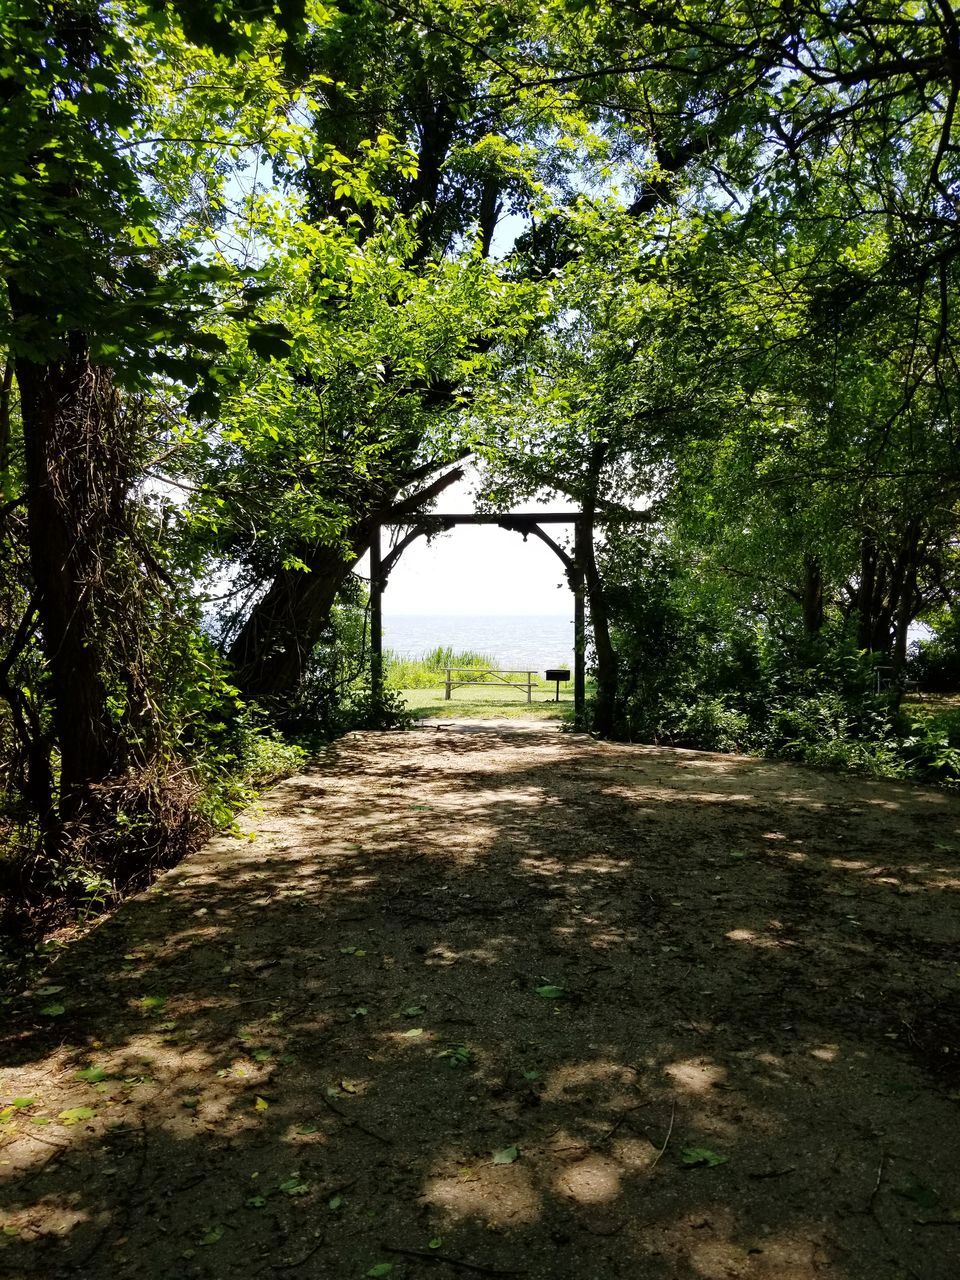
{"x":97,"y":303}
{"x":419,"y":146}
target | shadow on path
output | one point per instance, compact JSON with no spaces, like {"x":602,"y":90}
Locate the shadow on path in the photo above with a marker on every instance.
{"x":704,"y":1007}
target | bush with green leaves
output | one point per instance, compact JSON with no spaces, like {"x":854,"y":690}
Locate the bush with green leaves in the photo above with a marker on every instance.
{"x":935,"y":660}
{"x":700,"y":670}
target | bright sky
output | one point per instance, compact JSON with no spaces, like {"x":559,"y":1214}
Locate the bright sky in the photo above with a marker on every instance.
{"x":478,"y":570}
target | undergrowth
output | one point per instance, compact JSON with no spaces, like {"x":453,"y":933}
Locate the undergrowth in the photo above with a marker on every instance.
{"x":135,"y":827}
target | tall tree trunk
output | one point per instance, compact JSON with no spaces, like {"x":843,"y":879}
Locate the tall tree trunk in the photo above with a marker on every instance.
{"x":272,"y":650}
{"x":6,"y":386}
{"x":908,"y":562}
{"x":903,"y":620}
{"x":606,"y":707}
{"x":812,"y":595}
{"x":66,"y":407}
{"x":865,"y":592}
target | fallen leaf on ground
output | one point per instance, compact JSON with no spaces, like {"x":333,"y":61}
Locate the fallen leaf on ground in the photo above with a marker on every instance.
{"x":506,"y":1156}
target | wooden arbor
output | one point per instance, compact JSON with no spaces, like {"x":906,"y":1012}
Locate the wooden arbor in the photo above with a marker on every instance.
{"x":523,"y":523}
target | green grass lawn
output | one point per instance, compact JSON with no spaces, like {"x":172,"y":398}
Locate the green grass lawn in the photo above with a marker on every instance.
{"x":477,"y":702}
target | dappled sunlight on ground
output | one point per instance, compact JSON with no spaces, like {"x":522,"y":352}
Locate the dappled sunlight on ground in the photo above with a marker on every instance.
{"x":567,"y":1008}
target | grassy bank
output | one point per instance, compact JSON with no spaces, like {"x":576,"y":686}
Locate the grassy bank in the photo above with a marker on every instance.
{"x":482,"y":702}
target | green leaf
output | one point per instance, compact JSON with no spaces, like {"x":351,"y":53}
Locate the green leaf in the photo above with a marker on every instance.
{"x":271,"y":341}
{"x":23,"y":1102}
{"x":506,"y":1156}
{"x":701,"y":1157}
{"x":213,"y":1236}
{"x":54,"y":1010}
{"x":413,"y":1033}
{"x":381,"y":1269}
{"x":551,"y":992}
{"x":73,"y":1115}
{"x":457,"y":1055}
{"x":92,"y":1075}
{"x":255,"y":1202}
{"x":204,"y":403}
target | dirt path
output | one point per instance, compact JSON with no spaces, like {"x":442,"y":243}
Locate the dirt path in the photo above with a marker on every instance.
{"x":300,"y":1051}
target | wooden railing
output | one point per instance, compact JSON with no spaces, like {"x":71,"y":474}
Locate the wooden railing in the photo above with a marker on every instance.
{"x":501,"y":683}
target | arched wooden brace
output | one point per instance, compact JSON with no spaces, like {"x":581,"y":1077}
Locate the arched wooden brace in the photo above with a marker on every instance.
{"x":523,"y":523}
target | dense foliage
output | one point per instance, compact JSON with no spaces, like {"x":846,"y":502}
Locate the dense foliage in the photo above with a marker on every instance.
{"x":273,"y":272}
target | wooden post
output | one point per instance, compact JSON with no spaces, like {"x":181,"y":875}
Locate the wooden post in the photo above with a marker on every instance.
{"x":579,"y":630}
{"x":448,"y":688}
{"x":529,"y":687}
{"x":376,"y":619}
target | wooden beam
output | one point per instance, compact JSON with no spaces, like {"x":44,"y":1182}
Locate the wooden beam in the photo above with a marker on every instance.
{"x":376,"y":619}
{"x":577,"y":579}
{"x":526,"y":529}
{"x":389,"y":561}
{"x":513,"y":519}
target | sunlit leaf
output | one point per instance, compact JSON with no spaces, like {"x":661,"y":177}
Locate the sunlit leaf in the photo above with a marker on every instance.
{"x":92,"y":1075}
{"x":695,"y":1157}
{"x":74,"y":1115}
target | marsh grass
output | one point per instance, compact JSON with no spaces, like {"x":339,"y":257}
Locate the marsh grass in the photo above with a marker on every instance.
{"x":427,"y":671}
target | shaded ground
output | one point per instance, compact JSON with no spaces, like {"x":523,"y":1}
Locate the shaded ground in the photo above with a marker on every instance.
{"x":301,"y":1049}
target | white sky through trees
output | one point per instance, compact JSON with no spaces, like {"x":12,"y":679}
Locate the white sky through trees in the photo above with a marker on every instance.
{"x":476,"y":570}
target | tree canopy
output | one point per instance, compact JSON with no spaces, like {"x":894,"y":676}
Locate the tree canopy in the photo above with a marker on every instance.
{"x":272,"y":273}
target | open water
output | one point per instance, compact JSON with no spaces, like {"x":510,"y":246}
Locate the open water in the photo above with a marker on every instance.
{"x":534,"y":642}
